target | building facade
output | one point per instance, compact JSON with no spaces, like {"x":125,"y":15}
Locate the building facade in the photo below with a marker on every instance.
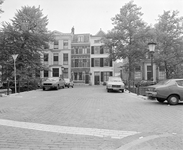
{"x":101,"y":66}
{"x":144,"y":72}
{"x":57,"y":58}
{"x":80,"y":58}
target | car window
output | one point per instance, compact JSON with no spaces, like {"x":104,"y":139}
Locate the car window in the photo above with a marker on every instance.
{"x":163,"y":82}
{"x":115,"y":79}
{"x":180,"y":82}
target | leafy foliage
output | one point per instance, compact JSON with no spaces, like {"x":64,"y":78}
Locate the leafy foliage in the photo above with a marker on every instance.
{"x":26,"y":36}
{"x":128,"y":38}
{"x":169,"y":32}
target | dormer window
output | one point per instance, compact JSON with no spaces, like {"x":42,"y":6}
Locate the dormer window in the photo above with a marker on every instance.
{"x":81,"y":38}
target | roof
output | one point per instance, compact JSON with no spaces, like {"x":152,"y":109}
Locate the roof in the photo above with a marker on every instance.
{"x":100,"y":33}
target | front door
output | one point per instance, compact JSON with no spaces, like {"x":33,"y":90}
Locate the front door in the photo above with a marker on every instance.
{"x":97,"y":78}
{"x":87,"y":79}
{"x":149,"y":73}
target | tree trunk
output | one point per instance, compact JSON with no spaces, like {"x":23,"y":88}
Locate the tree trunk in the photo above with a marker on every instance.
{"x":129,"y":74}
{"x":166,"y":69}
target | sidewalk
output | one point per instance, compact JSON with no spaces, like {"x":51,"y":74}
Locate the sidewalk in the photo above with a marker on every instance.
{"x":156,"y":142}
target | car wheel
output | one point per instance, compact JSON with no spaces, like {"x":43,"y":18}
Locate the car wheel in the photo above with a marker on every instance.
{"x":173,"y":99}
{"x":63,"y":87}
{"x":57,"y":87}
{"x":122,"y":91}
{"x":43,"y":88}
{"x":108,"y":90}
{"x":160,"y":100}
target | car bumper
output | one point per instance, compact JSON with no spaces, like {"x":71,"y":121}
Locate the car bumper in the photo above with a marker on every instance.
{"x":115,"y":88}
{"x":49,"y":86}
{"x":151,"y":95}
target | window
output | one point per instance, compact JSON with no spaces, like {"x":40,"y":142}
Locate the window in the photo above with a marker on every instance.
{"x":137,"y":69}
{"x":81,"y":38}
{"x":75,"y":76}
{"x":45,"y":73}
{"x":84,"y":63}
{"x":106,"y":75}
{"x":84,"y":50}
{"x":96,"y":41}
{"x":65,"y":59}
{"x":65,"y":73}
{"x":56,"y":44}
{"x":80,"y":76}
{"x":76,"y":50}
{"x":106,"y":62}
{"x":73,"y":63}
{"x":76,"y":62}
{"x":161,"y":68}
{"x":80,"y":50}
{"x":45,"y":57}
{"x":97,"y":62}
{"x":55,"y":58}
{"x":106,"y":50}
{"x":55,"y":72}
{"x":180,"y":82}
{"x":65,"y":44}
{"x":96,"y":49}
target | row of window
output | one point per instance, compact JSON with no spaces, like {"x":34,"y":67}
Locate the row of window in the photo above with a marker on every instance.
{"x":55,"y":72}
{"x":82,"y":75}
{"x":86,"y":50}
{"x":80,"y":63}
{"x":65,"y":44}
{"x":96,"y":62}
{"x":138,"y":68}
{"x":101,"y":62}
{"x":56,"y":57}
{"x":80,"y":50}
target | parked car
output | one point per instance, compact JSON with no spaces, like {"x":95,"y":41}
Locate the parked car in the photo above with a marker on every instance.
{"x":69,"y":83}
{"x":170,"y":90}
{"x":53,"y":83}
{"x":115,"y":83}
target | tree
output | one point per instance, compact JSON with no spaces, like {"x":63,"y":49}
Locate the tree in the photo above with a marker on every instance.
{"x":1,"y":2}
{"x":128,"y":39}
{"x":169,"y":33}
{"x":26,"y":36}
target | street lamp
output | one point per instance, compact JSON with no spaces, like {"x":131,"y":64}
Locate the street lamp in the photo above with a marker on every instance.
{"x":151,"y":49}
{"x":14,"y":60}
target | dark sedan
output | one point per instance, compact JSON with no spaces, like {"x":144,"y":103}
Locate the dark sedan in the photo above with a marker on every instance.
{"x":170,"y":90}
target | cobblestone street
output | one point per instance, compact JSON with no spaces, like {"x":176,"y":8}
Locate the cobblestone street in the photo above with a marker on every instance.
{"x":88,"y":118}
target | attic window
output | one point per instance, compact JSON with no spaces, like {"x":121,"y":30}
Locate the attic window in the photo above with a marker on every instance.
{"x":80,"y":38}
{"x":96,"y":41}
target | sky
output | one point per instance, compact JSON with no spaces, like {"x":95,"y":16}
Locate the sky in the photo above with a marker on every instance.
{"x":88,"y":16}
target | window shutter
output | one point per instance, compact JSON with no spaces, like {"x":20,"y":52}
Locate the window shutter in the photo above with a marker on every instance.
{"x":111,"y":63}
{"x":101,"y":62}
{"x":101,"y":50}
{"x":92,"y":63}
{"x":102,"y":77}
{"x":92,"y":49}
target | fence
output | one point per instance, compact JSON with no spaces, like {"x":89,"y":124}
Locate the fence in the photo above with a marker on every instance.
{"x":135,"y":87}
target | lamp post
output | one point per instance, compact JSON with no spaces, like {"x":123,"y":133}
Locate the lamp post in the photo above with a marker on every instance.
{"x":151,"y":49}
{"x":14,"y":60}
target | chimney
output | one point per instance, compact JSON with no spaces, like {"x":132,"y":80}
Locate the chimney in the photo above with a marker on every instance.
{"x":72,"y":30}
